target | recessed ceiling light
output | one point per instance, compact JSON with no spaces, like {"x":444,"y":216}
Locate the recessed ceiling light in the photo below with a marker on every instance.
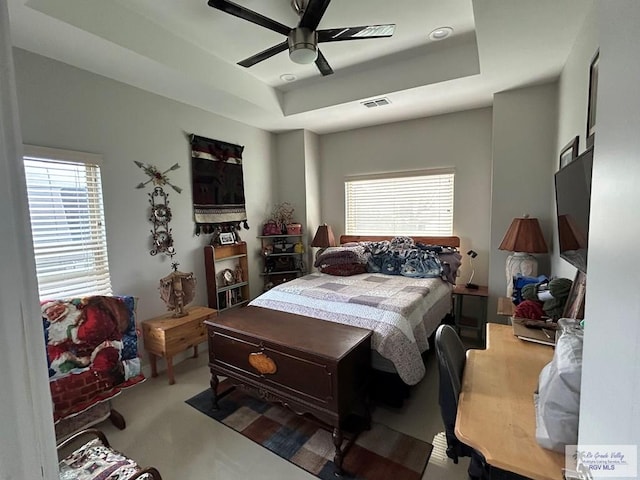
{"x":288,"y":77}
{"x":440,"y":33}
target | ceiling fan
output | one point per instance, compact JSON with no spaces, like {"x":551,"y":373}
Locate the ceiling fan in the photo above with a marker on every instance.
{"x":302,"y":41}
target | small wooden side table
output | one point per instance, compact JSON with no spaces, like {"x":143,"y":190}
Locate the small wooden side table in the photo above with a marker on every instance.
{"x":164,"y":336}
{"x":505,"y":307}
{"x":479,"y":323}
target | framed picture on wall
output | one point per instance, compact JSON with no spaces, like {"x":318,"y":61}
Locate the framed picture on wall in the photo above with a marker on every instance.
{"x":569,"y":152}
{"x":593,"y":95}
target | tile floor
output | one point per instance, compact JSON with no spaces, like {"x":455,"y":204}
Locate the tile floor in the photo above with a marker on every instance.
{"x":182,"y":443}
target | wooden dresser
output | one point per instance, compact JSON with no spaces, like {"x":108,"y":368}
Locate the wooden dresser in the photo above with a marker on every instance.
{"x":309,"y":365}
{"x":164,"y":336}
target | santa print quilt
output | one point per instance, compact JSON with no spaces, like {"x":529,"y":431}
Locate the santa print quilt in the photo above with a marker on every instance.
{"x":92,"y":350}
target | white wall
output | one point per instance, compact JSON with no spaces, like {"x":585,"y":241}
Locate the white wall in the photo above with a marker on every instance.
{"x":609,"y":411}
{"x":460,"y":140}
{"x":524,"y":148}
{"x":290,"y":155}
{"x":572,"y":115}
{"x":312,"y":182}
{"x":27,"y":445}
{"x":64,"y":107}
{"x":298,"y":160}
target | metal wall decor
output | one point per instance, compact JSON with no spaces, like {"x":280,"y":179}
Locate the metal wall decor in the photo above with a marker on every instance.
{"x":156,"y":176}
{"x":160,"y":217}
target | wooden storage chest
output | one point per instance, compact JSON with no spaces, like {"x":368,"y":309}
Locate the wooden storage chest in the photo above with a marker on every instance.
{"x":166,"y":336}
{"x":311,"y":366}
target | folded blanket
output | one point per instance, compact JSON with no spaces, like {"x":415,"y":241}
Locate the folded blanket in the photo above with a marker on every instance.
{"x":344,"y":270}
{"x":342,"y":256}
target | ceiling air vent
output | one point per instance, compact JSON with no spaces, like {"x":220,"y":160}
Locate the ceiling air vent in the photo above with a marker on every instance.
{"x":376,"y":102}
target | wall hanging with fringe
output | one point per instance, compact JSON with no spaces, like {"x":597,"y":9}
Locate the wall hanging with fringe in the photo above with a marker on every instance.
{"x":218,"y":185}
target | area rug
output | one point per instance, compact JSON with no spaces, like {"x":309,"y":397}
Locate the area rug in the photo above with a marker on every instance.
{"x":378,"y":454}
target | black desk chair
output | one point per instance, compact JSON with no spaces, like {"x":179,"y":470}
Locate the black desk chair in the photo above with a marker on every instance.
{"x":451,"y":360}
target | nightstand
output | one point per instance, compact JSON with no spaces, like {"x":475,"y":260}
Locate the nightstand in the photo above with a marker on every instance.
{"x":165,"y":336}
{"x":506,"y":307}
{"x":460,"y":292}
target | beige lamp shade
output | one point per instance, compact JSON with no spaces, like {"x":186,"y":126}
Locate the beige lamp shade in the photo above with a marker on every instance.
{"x":324,"y":237}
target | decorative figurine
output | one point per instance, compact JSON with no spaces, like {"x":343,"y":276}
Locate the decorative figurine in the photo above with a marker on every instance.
{"x":177,"y":290}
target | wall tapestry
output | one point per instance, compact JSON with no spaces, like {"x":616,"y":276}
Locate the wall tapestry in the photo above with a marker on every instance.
{"x":218,"y":186}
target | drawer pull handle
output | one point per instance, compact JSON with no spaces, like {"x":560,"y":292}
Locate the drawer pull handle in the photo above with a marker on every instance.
{"x":262,"y":363}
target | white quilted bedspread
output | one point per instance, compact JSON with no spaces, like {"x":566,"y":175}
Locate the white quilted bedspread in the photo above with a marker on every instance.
{"x":392,"y":306}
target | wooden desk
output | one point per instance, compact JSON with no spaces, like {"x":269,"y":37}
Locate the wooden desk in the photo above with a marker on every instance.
{"x":496,"y":415}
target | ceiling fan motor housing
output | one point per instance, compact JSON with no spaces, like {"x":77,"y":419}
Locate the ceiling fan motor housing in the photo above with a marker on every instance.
{"x":303,"y":45}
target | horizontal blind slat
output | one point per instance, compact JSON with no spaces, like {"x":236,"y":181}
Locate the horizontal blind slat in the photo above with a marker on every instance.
{"x":67,"y":221}
{"x":400,"y":205}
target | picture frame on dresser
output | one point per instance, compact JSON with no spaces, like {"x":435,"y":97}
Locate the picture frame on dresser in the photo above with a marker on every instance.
{"x":593,"y":95}
{"x":569,"y":152}
{"x":226,"y":238}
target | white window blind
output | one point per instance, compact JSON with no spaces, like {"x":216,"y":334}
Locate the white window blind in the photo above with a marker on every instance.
{"x":67,"y":222}
{"x":412,"y":203}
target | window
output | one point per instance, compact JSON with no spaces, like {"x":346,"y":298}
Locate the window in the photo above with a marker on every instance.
{"x":67,"y":222}
{"x":410,"y":203}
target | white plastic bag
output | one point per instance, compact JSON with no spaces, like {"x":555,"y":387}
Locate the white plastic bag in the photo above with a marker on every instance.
{"x":558,"y":399}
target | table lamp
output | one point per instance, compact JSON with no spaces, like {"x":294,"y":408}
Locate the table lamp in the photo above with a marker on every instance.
{"x":523,"y":238}
{"x":472,"y":254}
{"x":323,"y":238}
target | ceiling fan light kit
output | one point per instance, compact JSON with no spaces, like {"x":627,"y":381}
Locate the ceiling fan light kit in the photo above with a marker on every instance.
{"x":302,"y":41}
{"x":303,"y":46}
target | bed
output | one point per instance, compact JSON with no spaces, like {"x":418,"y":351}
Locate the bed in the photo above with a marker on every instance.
{"x":402,"y":311}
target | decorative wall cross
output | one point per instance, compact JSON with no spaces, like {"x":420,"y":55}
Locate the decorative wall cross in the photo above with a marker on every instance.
{"x":157,"y":177}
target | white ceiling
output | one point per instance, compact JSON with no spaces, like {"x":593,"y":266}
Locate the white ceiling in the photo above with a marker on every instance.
{"x":187,"y":51}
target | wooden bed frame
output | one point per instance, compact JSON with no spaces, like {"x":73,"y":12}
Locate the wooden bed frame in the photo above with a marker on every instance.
{"x":446,"y":241}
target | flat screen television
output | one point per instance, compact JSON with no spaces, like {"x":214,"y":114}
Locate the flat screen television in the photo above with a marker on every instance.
{"x":573,"y":204}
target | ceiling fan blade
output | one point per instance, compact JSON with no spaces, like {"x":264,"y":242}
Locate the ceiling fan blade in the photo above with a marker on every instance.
{"x":249,"y":15}
{"x":356,"y":33}
{"x":323,"y":65}
{"x":313,"y":14}
{"x":268,"y":53}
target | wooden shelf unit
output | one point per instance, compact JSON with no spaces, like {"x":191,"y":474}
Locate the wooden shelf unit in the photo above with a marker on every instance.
{"x":278,"y":274}
{"x":217,"y":259}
